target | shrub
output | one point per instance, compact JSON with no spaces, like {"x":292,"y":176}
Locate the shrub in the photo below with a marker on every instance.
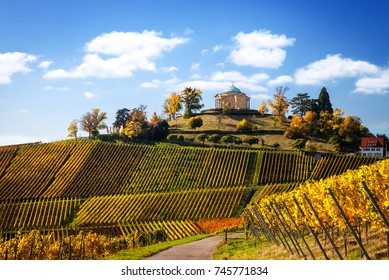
{"x":244,"y":126}
{"x":172,"y":138}
{"x":227,"y":139}
{"x":195,"y":122}
{"x":202,"y":137}
{"x":276,"y":145}
{"x":251,"y":140}
{"x":214,"y":138}
{"x":299,"y":144}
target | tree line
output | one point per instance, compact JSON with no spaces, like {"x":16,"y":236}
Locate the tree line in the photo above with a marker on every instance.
{"x":133,"y":124}
{"x":312,"y":117}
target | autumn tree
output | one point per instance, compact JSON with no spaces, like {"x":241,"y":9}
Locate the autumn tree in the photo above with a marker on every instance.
{"x":172,"y":105}
{"x":191,"y":98}
{"x":296,"y":128}
{"x":263,"y":108}
{"x":279,"y":105}
{"x":136,"y":123}
{"x":310,"y":120}
{"x":154,"y":118}
{"x":244,"y":126}
{"x":93,"y":121}
{"x":350,"y":133}
{"x":73,"y":129}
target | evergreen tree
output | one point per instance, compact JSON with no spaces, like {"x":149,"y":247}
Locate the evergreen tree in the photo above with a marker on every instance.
{"x":301,"y":104}
{"x":122,"y":116}
{"x":323,"y":102}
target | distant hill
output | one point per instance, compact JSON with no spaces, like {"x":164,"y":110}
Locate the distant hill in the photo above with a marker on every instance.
{"x":268,"y":128}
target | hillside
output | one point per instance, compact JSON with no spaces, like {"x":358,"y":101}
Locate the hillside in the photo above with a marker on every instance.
{"x":268,"y":128}
{"x":117,"y":189}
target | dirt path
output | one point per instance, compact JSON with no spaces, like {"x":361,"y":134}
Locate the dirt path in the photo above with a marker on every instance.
{"x":196,"y":250}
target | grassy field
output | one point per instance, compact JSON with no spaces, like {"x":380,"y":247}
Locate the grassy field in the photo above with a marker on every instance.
{"x":241,"y":249}
{"x":268,"y":128}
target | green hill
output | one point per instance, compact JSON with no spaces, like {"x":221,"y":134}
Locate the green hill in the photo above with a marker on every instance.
{"x":268,"y":128}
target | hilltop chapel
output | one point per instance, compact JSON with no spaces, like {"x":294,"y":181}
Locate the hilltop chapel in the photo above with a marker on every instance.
{"x":232,"y":98}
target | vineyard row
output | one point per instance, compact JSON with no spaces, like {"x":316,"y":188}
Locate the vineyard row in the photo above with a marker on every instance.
{"x":85,"y":169}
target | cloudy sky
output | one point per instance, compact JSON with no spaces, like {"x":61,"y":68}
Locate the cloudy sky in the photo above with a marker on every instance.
{"x":59,"y":59}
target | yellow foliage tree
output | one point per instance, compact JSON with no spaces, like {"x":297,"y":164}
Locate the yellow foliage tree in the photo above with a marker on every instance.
{"x":279,"y":105}
{"x":154,"y":117}
{"x":263,"y":108}
{"x":172,"y":105}
{"x":244,"y":125}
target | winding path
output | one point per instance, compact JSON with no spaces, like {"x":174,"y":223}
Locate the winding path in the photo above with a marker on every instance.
{"x":196,"y":250}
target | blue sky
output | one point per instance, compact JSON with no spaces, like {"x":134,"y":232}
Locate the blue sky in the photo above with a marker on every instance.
{"x":59,"y":59}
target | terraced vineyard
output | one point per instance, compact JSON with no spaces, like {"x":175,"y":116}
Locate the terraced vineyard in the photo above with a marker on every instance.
{"x":121,"y":188}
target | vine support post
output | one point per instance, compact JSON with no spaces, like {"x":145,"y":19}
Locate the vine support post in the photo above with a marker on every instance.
{"x":374,"y":202}
{"x":297,"y":229}
{"x":311,"y":229}
{"x":322,"y":226}
{"x":289,"y":231}
{"x":265,"y":226}
{"x":379,"y":211}
{"x":281,"y":236}
{"x":340,"y":210}
{"x":277,"y":215}
{"x":252,"y":227}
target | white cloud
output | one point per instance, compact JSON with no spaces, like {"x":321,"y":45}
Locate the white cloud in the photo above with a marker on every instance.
{"x":222,"y":80}
{"x":12,"y":63}
{"x":331,"y":68}
{"x":374,"y":85}
{"x":196,"y":76}
{"x":119,"y":54}
{"x":204,"y":52}
{"x":195,"y":66}
{"x":281,"y":80}
{"x":152,"y":84}
{"x":45,"y":64}
{"x":89,"y":95}
{"x":188,"y":31}
{"x":261,"y":96}
{"x":217,"y":48}
{"x":260,"y":49}
{"x":173,"y":80}
{"x":169,"y":69}
{"x":238,"y":77}
{"x":53,"y":88}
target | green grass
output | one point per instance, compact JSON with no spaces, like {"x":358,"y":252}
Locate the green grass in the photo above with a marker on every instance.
{"x":271,"y":130}
{"x":241,"y":249}
{"x":143,"y":252}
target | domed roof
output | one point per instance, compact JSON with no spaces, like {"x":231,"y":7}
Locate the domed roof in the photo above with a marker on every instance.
{"x":233,"y":88}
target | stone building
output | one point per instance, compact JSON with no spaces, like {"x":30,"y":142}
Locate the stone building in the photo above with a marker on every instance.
{"x":232,"y":98}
